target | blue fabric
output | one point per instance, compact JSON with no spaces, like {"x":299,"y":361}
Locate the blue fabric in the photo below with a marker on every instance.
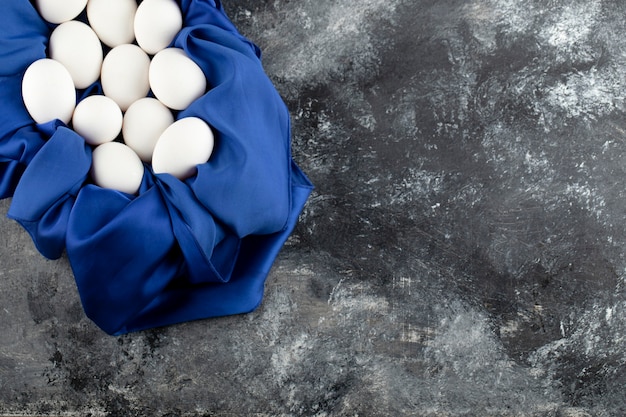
{"x":23,"y":39}
{"x":178,"y":250}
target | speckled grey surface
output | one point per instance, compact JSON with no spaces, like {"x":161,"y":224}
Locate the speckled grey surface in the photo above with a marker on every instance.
{"x":462,"y":254}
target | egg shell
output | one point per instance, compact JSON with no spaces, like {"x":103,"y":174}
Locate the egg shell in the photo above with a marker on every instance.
{"x":187,"y":143}
{"x":157,"y":22}
{"x":113,"y":20}
{"x":77,"y":47}
{"x":48,"y":91}
{"x":124,"y":75}
{"x":98,"y":119}
{"x":115,"y":166}
{"x":59,"y":11}
{"x":176,"y":80}
{"x":144,"y":122}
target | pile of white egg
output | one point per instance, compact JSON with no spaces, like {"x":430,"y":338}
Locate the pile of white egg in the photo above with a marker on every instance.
{"x":139,"y":61}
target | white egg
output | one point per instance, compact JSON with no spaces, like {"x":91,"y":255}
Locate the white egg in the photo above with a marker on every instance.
{"x":175,"y":79}
{"x":77,"y":47}
{"x":144,"y":122}
{"x":115,"y":166}
{"x":156,"y":24}
{"x":98,"y":119}
{"x":186,"y":143}
{"x":59,"y":11}
{"x":124,"y":75}
{"x":48,"y":91}
{"x":113,"y":20}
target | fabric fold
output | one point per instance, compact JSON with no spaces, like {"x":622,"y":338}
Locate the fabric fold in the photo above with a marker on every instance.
{"x":210,"y":252}
{"x":181,"y":302}
{"x":24,"y":37}
{"x":123,"y":255}
{"x":45,"y":194}
{"x":252,"y":123}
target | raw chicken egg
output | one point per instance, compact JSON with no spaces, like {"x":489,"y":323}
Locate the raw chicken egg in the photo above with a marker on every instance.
{"x":77,"y":47}
{"x":59,"y":11}
{"x":48,"y":91}
{"x":156,"y":24}
{"x":144,"y":122}
{"x":113,"y":20}
{"x":98,"y":119}
{"x":175,"y":79}
{"x":115,"y":166}
{"x":125,"y":75}
{"x":186,"y":143}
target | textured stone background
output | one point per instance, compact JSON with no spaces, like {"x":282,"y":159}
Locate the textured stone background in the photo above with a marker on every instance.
{"x":462,"y":254}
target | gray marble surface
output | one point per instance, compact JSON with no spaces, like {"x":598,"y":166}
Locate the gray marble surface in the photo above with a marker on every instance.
{"x":461,"y":255}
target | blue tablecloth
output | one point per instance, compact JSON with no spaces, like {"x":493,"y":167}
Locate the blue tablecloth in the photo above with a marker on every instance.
{"x":177,"y":251}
